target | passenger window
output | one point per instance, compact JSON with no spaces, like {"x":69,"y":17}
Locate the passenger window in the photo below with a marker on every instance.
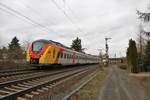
{"x":67,"y":56}
{"x":58,"y":54}
{"x":61,"y":55}
{"x":54,"y":53}
{"x":64,"y":55}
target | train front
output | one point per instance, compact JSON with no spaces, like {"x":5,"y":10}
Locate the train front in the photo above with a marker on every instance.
{"x":37,"y":52}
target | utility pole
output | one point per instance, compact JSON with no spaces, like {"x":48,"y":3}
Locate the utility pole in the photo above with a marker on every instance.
{"x":107,"y":48}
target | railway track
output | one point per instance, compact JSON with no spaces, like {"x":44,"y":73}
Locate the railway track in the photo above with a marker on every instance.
{"x":5,"y":73}
{"x":10,"y":90}
{"x":21,"y":76}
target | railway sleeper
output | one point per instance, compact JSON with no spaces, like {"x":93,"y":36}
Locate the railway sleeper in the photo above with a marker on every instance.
{"x":12,"y":89}
{"x":48,"y":91}
{"x":18,"y":87}
{"x":24,"y":86}
{"x":3,"y":92}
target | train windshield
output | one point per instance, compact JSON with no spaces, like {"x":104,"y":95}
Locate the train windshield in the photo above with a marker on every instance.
{"x":37,"y":46}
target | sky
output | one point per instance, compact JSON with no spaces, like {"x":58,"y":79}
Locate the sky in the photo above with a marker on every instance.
{"x":64,"y":20}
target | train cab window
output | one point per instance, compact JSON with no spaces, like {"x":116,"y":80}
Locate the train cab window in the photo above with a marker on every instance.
{"x":37,"y":46}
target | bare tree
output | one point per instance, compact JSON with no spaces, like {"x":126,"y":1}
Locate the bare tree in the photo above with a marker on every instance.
{"x":25,"y":45}
{"x":144,"y":16}
{"x":141,"y":41}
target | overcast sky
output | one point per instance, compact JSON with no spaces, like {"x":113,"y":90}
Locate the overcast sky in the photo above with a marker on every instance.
{"x":64,"y":20}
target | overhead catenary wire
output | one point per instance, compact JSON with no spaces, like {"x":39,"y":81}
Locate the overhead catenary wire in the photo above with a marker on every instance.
{"x":67,"y":16}
{"x":24,"y":16}
{"x":73,"y":14}
{"x":35,"y":12}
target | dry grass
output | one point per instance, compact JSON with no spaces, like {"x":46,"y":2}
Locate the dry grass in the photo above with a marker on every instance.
{"x":147,"y":86}
{"x":12,"y":65}
{"x":122,"y":66}
{"x":144,"y":79}
{"x":90,"y":91}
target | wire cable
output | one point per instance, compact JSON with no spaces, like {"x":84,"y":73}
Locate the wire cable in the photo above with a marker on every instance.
{"x":25,"y":17}
{"x":73,"y":14}
{"x":66,"y":15}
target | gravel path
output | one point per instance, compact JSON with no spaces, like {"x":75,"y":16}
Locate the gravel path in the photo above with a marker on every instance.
{"x":118,"y":86}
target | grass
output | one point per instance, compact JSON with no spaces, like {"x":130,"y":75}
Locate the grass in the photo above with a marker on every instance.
{"x":148,"y":89}
{"x":146,"y":83}
{"x":90,"y":91}
{"x":125,"y":71}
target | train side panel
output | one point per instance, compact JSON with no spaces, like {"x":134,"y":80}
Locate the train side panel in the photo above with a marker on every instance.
{"x":50,"y":55}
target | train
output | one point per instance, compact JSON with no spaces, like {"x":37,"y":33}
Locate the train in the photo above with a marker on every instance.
{"x":44,"y":52}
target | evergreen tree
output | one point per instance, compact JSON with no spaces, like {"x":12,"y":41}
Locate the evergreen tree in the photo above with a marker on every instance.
{"x":14,"y":49}
{"x":127,"y":56}
{"x":132,"y":56}
{"x":147,"y":54}
{"x":76,"y":45}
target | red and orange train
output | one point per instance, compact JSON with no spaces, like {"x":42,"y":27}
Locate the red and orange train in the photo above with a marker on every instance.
{"x":47,"y":52}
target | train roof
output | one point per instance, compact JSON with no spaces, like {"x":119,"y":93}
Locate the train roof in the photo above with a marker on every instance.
{"x":53,"y":42}
{"x":61,"y":45}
